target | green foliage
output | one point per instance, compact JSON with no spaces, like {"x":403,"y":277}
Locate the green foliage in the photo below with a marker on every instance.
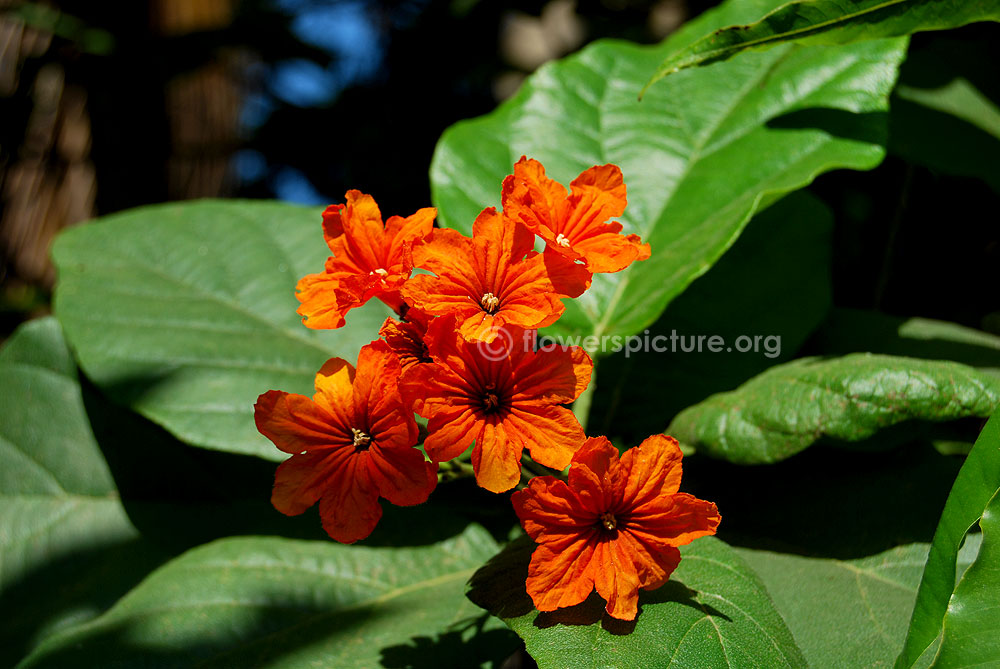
{"x":67,"y":547}
{"x":186,"y":313}
{"x":785,"y":250}
{"x":791,"y":406}
{"x":700,"y":154}
{"x":829,"y":22}
{"x":850,"y":613}
{"x":713,"y":612}
{"x":940,"y":606}
{"x":265,"y":601}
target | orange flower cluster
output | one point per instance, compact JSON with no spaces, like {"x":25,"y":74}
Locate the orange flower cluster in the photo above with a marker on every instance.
{"x":462,"y":356}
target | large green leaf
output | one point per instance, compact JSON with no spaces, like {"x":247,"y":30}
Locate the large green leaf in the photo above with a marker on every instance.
{"x":975,"y":486}
{"x":67,"y":547}
{"x":971,"y":635}
{"x":273,"y":602}
{"x":850,"y":613}
{"x":700,"y":154}
{"x":186,"y":313}
{"x":784,"y":250}
{"x":712,"y":613}
{"x":829,"y":22}
{"x":791,"y":406}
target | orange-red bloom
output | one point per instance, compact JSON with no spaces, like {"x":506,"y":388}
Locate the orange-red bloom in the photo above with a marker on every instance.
{"x":369,"y":260}
{"x":351,"y":444}
{"x":615,"y":526}
{"x":407,"y":338}
{"x":492,"y":280}
{"x":575,"y":225}
{"x":505,"y":396}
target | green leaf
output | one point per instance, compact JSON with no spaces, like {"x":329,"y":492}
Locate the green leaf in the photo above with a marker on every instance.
{"x":712,"y":613}
{"x":784,"y":250}
{"x":186,"y":313}
{"x":260,"y":601}
{"x":975,"y":486}
{"x":971,"y":636}
{"x":850,"y":613}
{"x":949,"y":84}
{"x":854,"y":331}
{"x":700,"y":154}
{"x":827,"y":22}
{"x":791,"y":406}
{"x":67,"y":548}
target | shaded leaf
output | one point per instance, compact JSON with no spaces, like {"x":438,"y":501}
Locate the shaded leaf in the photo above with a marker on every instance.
{"x":67,"y":547}
{"x":829,"y":22}
{"x":854,"y":331}
{"x":186,"y":313}
{"x":700,"y":155}
{"x":975,"y":486}
{"x":712,"y":613}
{"x":851,"y":613}
{"x":791,"y":406}
{"x":785,"y":251}
{"x":259,"y":601}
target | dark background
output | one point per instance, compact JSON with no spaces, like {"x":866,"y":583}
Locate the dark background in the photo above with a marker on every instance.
{"x":111,"y":105}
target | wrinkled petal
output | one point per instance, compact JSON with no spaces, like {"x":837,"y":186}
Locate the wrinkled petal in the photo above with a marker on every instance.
{"x":674,"y":520}
{"x":550,"y":512}
{"x":403,"y":476}
{"x":350,"y":509}
{"x":653,"y":469}
{"x":294,"y":423}
{"x":596,"y":475}
{"x":318,"y":295}
{"x":496,"y":459}
{"x":551,"y":433}
{"x":449,"y":434}
{"x":561,"y":578}
{"x":653,"y":562}
{"x":616,"y":580}
{"x":301,"y":480}
{"x":376,"y":395}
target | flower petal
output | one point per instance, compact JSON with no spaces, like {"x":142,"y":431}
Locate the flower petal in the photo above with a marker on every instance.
{"x":402,"y":475}
{"x":318,"y":295}
{"x":596,"y":476}
{"x":564,"y":577}
{"x":653,"y":469}
{"x":496,"y":458}
{"x":674,"y":520}
{"x":377,"y":398}
{"x":350,"y":509}
{"x":616,"y":579}
{"x":296,"y":424}
{"x":303,"y":479}
{"x":551,"y":513}
{"x":551,"y":433}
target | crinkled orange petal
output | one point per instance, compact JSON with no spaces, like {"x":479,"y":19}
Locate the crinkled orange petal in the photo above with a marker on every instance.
{"x":376,"y":386}
{"x":317,"y":293}
{"x":496,"y":459}
{"x":334,"y":384}
{"x":654,"y":562}
{"x":550,"y":512}
{"x":595,"y":475}
{"x":449,"y":433}
{"x":350,"y":509}
{"x":402,"y":475}
{"x":406,"y":339}
{"x":616,"y":579}
{"x":653,"y":469}
{"x":403,"y":232}
{"x":561,"y":578}
{"x":674,"y":520}
{"x":554,"y":375}
{"x":551,"y":433}
{"x":294,"y":423}
{"x":301,"y":480}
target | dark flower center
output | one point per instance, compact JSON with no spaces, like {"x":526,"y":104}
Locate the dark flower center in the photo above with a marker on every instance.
{"x":361,"y":440}
{"x":491,"y":399}
{"x":608,"y":521}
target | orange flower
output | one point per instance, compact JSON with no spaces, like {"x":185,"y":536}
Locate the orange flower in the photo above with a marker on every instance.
{"x":369,"y":260}
{"x":406,"y":338}
{"x":351,"y":444}
{"x":505,"y":396}
{"x":575,"y":225}
{"x":492,"y":280}
{"x":615,"y":526}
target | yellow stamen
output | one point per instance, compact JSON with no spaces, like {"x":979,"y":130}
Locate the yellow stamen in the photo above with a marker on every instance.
{"x":381,"y":272}
{"x":490,"y":303}
{"x":361,"y":440}
{"x":561,"y":240}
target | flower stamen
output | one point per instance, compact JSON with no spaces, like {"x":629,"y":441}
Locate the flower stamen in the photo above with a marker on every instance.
{"x":608,"y":521}
{"x":562,"y":240}
{"x":490,"y":303}
{"x":361,"y":440}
